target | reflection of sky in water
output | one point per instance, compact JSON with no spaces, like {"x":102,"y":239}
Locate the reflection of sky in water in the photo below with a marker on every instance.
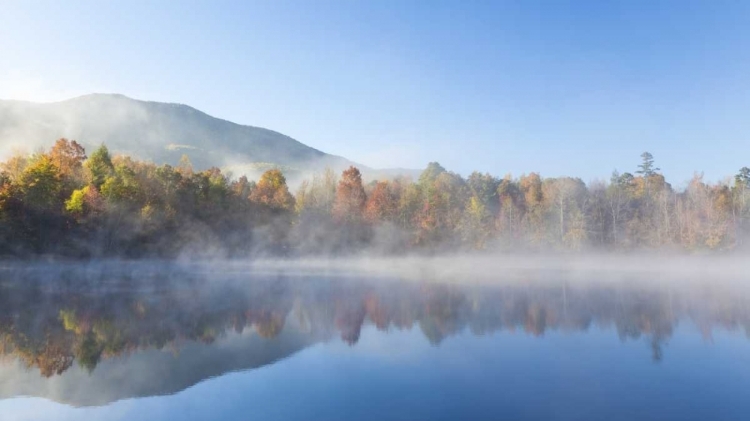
{"x":505,"y":375}
{"x":295,"y":347}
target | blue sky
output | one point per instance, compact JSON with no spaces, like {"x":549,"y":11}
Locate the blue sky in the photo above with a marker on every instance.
{"x":575,"y":88}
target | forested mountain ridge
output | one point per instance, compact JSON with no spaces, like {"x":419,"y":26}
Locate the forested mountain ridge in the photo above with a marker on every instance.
{"x":161,"y":132}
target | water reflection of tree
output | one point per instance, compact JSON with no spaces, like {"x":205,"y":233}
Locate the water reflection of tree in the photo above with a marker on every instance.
{"x":53,"y":329}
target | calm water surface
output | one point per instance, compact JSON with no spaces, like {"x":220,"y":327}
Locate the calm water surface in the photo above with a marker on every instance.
{"x":158,"y":343}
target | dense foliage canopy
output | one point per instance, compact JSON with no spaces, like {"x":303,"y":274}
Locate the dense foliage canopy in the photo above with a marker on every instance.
{"x":64,"y":202}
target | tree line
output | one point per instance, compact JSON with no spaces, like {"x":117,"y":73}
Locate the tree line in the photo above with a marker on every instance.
{"x":65,"y":202}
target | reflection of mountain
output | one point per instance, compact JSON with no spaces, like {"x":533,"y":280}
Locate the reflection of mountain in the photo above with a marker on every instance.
{"x":88,"y":338}
{"x":151,"y":372}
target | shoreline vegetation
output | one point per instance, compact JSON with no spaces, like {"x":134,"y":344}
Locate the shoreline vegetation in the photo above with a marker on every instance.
{"x":66,"y":203}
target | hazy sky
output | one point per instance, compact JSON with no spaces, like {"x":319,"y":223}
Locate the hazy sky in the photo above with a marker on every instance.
{"x":560,"y":87}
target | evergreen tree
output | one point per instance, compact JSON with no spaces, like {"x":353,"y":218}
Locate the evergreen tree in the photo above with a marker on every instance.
{"x":99,"y":166}
{"x":646,"y":168}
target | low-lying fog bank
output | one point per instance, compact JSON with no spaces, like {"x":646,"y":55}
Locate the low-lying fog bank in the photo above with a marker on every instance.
{"x":488,"y":268}
{"x":499,"y":268}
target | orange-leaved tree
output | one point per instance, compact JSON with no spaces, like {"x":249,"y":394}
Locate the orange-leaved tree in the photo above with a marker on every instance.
{"x":272,"y":191}
{"x":382,"y":203}
{"x":350,"y":196}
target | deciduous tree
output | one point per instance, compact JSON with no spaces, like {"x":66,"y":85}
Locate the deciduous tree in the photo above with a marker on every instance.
{"x":350,"y":197}
{"x":272,"y":191}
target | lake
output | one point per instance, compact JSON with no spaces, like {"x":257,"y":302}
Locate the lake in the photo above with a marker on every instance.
{"x":153,"y":341}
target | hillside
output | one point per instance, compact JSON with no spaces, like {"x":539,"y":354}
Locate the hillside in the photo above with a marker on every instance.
{"x":161,"y":132}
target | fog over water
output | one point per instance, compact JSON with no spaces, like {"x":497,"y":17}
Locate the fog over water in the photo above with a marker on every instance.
{"x":500,"y":268}
{"x":104,"y":334}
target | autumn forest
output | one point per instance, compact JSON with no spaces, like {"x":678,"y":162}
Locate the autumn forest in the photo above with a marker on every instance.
{"x":70,"y":203}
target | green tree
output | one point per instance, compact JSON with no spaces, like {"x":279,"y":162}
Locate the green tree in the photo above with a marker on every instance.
{"x":743,"y":177}
{"x":99,"y":166}
{"x":647,"y":168}
{"x":41,"y":184}
{"x":431,"y":173}
{"x":74,"y":205}
{"x":122,"y":186}
{"x":485,"y":188}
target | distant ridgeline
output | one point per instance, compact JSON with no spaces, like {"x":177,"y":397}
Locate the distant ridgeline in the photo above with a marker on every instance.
{"x":63,"y":202}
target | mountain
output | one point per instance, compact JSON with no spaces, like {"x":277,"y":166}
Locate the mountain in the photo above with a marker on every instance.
{"x":151,"y":372}
{"x":162,"y":133}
